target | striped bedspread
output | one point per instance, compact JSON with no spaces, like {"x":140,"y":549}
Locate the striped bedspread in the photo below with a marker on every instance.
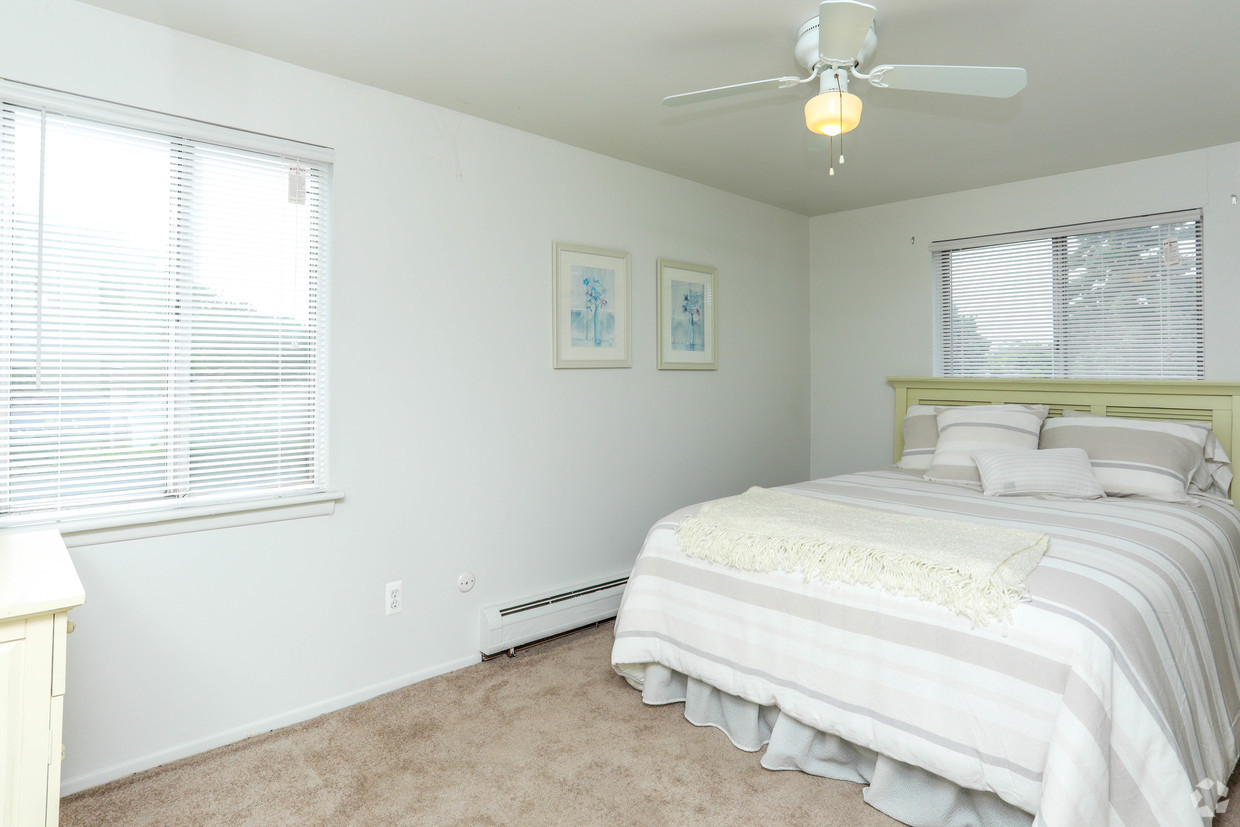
{"x":1107,"y":699}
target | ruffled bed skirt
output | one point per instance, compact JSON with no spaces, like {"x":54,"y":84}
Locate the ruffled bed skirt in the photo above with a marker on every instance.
{"x":906,"y":793}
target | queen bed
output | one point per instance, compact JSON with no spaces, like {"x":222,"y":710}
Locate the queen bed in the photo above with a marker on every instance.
{"x":1106,"y":692}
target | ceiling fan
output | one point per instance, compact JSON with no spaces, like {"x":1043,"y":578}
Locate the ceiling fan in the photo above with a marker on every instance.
{"x":834,"y":45}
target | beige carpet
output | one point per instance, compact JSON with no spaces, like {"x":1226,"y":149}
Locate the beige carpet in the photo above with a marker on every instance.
{"x":550,"y":737}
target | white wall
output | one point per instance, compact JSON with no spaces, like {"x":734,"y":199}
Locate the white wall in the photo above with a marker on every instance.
{"x":870,"y":282}
{"x":456,"y":443}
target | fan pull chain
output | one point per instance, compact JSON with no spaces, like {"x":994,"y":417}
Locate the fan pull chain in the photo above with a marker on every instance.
{"x":840,"y":109}
{"x":831,"y":156}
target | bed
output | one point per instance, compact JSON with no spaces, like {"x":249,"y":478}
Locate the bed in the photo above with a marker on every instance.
{"x":1108,"y":695}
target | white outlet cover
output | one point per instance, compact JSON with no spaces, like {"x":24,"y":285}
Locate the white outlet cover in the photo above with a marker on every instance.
{"x":466,"y":581}
{"x":393,"y":597}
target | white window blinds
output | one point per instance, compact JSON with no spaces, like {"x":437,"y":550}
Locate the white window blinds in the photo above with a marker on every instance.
{"x":162,"y":315}
{"x":1119,"y":299}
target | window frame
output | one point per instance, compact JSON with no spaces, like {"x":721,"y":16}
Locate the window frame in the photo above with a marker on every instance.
{"x":1058,"y":277}
{"x":122,"y":521}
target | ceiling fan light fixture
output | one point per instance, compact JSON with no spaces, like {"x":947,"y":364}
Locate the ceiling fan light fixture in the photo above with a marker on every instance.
{"x":833,"y":113}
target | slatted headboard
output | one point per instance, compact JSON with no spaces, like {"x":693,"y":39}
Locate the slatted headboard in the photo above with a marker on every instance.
{"x":1215,"y":402}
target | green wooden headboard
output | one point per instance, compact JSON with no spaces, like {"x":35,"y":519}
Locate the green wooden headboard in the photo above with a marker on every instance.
{"x":1217,"y":403}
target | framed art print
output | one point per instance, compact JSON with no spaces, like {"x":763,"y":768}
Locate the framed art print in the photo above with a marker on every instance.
{"x":591,"y":307}
{"x":686,"y":316}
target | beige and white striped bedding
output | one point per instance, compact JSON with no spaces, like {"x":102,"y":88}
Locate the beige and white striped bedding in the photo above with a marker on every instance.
{"x":1108,"y":699}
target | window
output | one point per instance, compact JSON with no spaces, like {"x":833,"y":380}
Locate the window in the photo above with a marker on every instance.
{"x":162,"y":313}
{"x":1118,"y":299}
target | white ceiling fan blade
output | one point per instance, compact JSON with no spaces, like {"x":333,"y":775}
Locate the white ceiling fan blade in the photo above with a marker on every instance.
{"x":728,"y":91}
{"x":842,"y":27}
{"x":987,"y":81}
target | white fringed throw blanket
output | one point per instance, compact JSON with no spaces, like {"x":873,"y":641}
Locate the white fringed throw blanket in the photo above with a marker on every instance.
{"x":975,"y":569}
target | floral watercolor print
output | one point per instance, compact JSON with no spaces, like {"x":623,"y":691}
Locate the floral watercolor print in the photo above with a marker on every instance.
{"x":688,"y":305}
{"x":591,"y":299}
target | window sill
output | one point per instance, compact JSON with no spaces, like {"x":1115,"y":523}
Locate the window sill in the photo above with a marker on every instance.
{"x":141,"y":525}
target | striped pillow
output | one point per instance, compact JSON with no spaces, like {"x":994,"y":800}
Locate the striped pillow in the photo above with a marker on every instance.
{"x":1150,"y":458}
{"x":1063,"y":472}
{"x":972,"y":428}
{"x":921,"y":435}
{"x":1213,"y":476}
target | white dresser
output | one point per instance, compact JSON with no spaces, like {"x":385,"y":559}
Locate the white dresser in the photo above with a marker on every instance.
{"x":38,"y":586}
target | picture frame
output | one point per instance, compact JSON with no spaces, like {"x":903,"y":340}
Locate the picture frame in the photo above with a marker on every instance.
{"x":591,"y":307}
{"x":687,"y":310}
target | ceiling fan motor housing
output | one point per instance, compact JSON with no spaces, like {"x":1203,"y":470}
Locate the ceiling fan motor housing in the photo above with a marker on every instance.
{"x":806,"y":51}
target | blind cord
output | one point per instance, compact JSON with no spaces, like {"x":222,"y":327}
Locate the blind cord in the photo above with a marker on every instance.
{"x":38,"y":320}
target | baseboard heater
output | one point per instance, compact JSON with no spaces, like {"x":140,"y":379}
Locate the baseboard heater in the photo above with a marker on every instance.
{"x":508,"y":627}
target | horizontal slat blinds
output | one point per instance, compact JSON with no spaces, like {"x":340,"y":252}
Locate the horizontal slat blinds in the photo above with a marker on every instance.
{"x":1119,"y":299}
{"x":162,"y":319}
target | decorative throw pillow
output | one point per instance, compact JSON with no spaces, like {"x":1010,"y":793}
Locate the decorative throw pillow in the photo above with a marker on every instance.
{"x":972,"y":428}
{"x":1152,"y":458}
{"x":921,"y":435}
{"x":1063,"y":472}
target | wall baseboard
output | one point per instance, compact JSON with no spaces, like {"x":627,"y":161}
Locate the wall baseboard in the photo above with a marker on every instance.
{"x":85,"y":781}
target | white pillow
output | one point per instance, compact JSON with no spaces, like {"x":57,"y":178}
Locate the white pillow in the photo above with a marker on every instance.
{"x":1063,"y":472}
{"x":921,"y":435}
{"x":1214,"y":475}
{"x":1152,"y":458}
{"x":970,"y":428}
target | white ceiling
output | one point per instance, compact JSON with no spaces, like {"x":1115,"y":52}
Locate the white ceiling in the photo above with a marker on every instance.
{"x":1109,"y":81}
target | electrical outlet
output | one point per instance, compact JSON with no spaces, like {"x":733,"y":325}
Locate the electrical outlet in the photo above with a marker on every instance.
{"x":393,"y":594}
{"x":466,"y":581}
